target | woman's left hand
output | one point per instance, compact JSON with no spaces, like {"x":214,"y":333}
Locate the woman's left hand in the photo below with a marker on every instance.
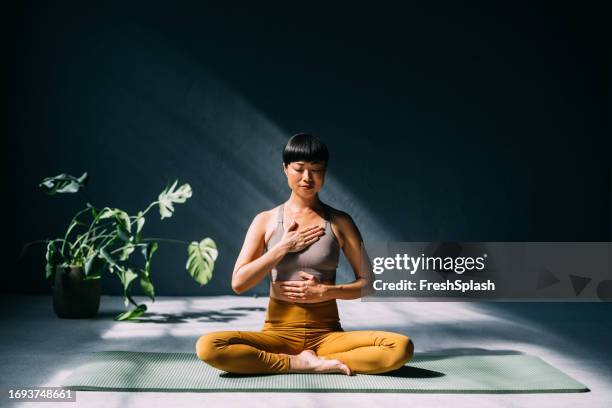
{"x":308,"y":289}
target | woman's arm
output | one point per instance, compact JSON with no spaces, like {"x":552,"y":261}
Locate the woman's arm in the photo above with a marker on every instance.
{"x":350,"y":240}
{"x":352,"y":246}
{"x":251,"y":266}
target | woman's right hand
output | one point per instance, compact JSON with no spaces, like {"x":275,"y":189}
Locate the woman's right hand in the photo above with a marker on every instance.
{"x":295,"y":240}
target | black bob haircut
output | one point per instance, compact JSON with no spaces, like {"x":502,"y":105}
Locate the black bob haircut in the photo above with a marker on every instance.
{"x":305,"y":147}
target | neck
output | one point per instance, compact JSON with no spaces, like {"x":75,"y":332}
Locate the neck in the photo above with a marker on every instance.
{"x":298,"y":204}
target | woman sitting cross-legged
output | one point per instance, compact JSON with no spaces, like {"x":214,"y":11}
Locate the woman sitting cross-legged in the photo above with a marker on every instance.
{"x":299,"y":242}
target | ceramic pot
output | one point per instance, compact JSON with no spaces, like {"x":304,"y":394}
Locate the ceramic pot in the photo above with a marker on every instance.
{"x":73,"y":296}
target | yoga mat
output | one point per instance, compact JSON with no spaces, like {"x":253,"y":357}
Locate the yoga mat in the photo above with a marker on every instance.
{"x":184,"y":372}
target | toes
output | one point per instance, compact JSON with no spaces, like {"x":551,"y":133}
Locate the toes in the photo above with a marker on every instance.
{"x":347,"y":369}
{"x":343,"y":367}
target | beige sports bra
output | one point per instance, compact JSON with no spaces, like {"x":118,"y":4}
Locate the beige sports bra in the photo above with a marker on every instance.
{"x":319,"y":259}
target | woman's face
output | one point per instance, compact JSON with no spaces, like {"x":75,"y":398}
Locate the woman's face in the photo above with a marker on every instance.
{"x":305,"y":178}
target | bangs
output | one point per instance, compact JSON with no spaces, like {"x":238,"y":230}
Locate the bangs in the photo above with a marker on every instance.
{"x":305,"y":147}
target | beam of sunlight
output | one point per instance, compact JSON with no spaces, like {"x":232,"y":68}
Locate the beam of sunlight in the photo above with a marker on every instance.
{"x":123,"y":331}
{"x":195,"y":127}
{"x":401,"y":313}
{"x":191,"y":317}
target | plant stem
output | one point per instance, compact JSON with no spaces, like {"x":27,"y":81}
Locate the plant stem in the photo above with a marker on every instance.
{"x":149,"y":207}
{"x":102,"y":234}
{"x":110,"y":241}
{"x":125,"y":246}
{"x":105,"y":244}
{"x":131,"y":300}
{"x":86,"y":234}
{"x":71,"y":226}
{"x":172,"y":241}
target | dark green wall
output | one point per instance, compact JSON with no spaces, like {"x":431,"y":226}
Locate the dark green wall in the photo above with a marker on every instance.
{"x":445,"y":122}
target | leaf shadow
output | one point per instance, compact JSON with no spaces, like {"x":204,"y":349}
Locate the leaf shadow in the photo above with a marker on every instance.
{"x":206,"y":316}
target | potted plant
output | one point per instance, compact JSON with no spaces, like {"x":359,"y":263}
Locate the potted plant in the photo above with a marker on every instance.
{"x":100,"y":239}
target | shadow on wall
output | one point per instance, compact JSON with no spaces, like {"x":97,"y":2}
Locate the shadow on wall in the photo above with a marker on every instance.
{"x":168,"y":118}
{"x":435,"y":146}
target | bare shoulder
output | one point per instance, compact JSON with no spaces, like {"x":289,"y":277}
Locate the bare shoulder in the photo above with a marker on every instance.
{"x":265,"y":222}
{"x":343,"y":225}
{"x":339,"y":217}
{"x":263,"y":216}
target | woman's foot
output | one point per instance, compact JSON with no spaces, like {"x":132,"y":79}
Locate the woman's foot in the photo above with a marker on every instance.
{"x":308,"y":362}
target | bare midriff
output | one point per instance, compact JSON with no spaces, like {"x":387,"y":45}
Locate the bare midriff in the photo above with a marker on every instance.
{"x":276,"y":292}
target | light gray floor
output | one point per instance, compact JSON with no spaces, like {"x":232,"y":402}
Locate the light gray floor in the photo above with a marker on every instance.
{"x":40,"y":349}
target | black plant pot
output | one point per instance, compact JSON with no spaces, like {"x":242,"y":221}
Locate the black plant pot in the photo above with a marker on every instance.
{"x":73,"y":296}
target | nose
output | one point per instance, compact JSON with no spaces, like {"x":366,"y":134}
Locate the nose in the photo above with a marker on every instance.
{"x":306,"y":176}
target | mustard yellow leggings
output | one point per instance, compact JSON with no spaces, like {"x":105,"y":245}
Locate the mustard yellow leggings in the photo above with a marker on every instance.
{"x":290,"y":328}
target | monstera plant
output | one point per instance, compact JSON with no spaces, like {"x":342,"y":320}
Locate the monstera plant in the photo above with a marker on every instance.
{"x":106,"y":239}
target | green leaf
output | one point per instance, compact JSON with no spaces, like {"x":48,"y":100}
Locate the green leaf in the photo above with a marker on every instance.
{"x":94,"y":212}
{"x":106,"y":213}
{"x":123,"y":234}
{"x":145,"y":279}
{"x":147,"y":285}
{"x":147,"y":252}
{"x":168,"y":197}
{"x":201,"y":261}
{"x":63,"y":183}
{"x":140,"y":221}
{"x":122,"y":222}
{"x":127,"y":276}
{"x":132,"y":314}
{"x":83,"y":179}
{"x":112,"y":263}
{"x":122,"y":218}
{"x":126,"y":252}
{"x":94,"y":266}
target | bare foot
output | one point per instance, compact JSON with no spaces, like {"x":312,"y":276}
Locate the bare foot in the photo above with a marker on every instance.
{"x":309,"y":355}
{"x":308,"y":362}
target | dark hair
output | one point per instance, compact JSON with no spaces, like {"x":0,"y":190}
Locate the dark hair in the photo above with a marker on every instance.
{"x":306,"y":147}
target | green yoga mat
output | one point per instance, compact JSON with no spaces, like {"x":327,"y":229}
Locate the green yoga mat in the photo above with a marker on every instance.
{"x":183,"y":372}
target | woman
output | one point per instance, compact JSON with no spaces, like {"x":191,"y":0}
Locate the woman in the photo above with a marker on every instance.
{"x":299,"y":243}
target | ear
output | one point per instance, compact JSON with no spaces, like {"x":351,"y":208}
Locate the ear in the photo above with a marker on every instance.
{"x":284,"y":168}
